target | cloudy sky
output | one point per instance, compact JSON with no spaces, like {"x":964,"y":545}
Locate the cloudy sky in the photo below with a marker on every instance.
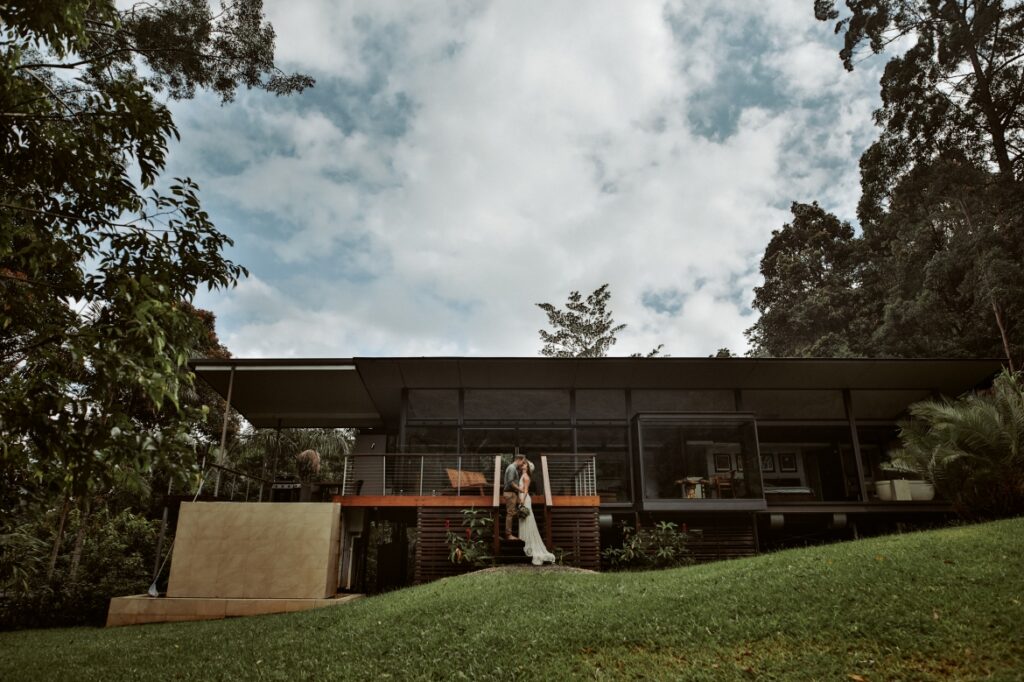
{"x":459,"y":162}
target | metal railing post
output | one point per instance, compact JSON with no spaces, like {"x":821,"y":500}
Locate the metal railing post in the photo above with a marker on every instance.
{"x":496,"y":490}
{"x":384,"y":474}
{"x":422,"y":459}
{"x":344,"y":475}
{"x":458,"y":488}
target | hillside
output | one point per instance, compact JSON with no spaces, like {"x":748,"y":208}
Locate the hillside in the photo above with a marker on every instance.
{"x":945,"y":604}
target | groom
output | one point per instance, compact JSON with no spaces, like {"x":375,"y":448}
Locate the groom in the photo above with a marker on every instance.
{"x":510,"y":492}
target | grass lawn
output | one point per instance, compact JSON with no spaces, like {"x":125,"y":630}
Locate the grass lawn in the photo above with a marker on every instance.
{"x":937,"y":605}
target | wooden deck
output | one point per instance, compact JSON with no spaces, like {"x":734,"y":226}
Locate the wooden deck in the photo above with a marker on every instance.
{"x":459,"y":501}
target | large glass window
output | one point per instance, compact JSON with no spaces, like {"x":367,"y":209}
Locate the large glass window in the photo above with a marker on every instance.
{"x":506,"y":405}
{"x":480,"y":446}
{"x":694,"y":458}
{"x":876,"y":446}
{"x":609,"y":445}
{"x":432,"y":439}
{"x":683,"y":401}
{"x":557,"y":443}
{"x":433,"y":404}
{"x":808,"y":463}
{"x":600,"y":404}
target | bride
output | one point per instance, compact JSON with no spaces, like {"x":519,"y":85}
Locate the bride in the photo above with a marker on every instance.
{"x":528,"y":531}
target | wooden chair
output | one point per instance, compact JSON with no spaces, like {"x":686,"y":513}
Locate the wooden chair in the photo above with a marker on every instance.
{"x":468,"y":480}
{"x":723,"y":485}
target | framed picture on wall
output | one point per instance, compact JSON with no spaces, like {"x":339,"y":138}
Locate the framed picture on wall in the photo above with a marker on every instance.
{"x":768,"y":463}
{"x":723,"y":461}
{"x":787,"y":462}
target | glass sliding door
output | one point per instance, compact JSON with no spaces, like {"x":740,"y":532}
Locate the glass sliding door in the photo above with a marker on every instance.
{"x":697,"y":459}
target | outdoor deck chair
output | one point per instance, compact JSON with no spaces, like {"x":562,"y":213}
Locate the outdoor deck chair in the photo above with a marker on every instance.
{"x":470,"y":480}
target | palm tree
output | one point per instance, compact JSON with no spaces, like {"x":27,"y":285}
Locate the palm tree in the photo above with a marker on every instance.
{"x":971,"y":449}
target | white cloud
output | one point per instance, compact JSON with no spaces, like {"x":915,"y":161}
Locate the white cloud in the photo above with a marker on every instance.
{"x":548,"y":149}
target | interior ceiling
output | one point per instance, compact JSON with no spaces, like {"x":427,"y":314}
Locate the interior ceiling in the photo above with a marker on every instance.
{"x":367,"y":392}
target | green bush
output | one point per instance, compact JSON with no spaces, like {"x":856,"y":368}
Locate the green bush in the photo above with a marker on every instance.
{"x":117,"y":555}
{"x":663,"y":546}
{"x":971,"y":449}
{"x":472,"y":545}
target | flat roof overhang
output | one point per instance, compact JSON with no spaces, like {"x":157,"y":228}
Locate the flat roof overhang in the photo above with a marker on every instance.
{"x":367,"y":392}
{"x":293,"y":393}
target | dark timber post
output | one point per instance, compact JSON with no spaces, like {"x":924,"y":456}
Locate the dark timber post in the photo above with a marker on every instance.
{"x":848,"y":405}
{"x":221,"y":456}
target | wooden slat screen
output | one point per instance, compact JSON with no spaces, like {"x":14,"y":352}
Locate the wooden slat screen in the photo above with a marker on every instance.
{"x":431,"y":549}
{"x":723,"y":536}
{"x":574,"y":530}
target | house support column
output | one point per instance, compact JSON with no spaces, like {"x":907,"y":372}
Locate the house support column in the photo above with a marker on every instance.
{"x":222,"y":454}
{"x":855,"y":439}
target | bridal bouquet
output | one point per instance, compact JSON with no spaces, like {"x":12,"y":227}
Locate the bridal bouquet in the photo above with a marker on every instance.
{"x":522,"y":511}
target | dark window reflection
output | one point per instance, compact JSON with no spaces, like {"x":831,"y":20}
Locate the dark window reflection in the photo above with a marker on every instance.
{"x":433,"y":404}
{"x":600,"y":404}
{"x":431,"y":439}
{"x":825,"y":466}
{"x":504,"y":405}
{"x":695,"y":459}
{"x":609,"y":444}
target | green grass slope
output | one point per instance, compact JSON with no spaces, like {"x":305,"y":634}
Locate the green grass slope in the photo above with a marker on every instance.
{"x":937,"y":605}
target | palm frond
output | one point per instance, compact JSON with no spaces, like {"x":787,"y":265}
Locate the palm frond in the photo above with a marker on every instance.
{"x":970,"y":447}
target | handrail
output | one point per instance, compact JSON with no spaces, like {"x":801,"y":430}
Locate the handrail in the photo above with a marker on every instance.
{"x":236,"y":472}
{"x":496,"y":497}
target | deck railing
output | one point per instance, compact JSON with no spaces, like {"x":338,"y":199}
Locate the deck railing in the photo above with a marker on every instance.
{"x":231,"y":485}
{"x":405,"y":474}
{"x":433,"y":474}
{"x":574,"y":475}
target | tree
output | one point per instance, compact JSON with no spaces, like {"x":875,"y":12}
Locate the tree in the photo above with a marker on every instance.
{"x":937,"y":269}
{"x":945,"y":264}
{"x":971,"y":449}
{"x":957,"y":86}
{"x":585,"y":329}
{"x":269,"y":453}
{"x":98,"y":265}
{"x":810,"y":296}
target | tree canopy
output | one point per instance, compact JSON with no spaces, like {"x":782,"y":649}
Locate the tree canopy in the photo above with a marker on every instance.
{"x":957,"y":86}
{"x":936,"y":269}
{"x":810,"y":294}
{"x":584,"y":329}
{"x":99,"y":257}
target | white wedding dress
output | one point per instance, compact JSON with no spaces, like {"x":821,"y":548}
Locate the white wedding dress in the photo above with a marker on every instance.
{"x":530,"y":535}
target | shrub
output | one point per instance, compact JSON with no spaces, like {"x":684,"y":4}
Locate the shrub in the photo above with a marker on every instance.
{"x":972,"y":449}
{"x":116,"y":559}
{"x":663,"y":546}
{"x":471,"y":545}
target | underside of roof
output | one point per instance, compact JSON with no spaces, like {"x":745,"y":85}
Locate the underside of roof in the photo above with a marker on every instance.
{"x":367,"y":392}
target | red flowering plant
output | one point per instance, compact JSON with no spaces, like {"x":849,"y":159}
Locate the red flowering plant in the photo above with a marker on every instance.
{"x":472,"y":545}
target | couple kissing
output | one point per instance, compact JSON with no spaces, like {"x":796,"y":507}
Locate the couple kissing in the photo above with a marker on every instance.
{"x":516,"y":495}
